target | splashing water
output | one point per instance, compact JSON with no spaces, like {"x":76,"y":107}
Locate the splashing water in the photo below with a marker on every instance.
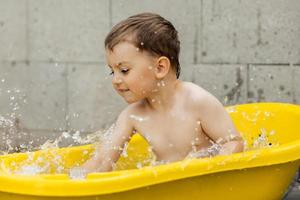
{"x":8,"y":128}
{"x":42,"y":164}
{"x":50,"y":161}
{"x":30,"y":170}
{"x":264,"y":140}
{"x":77,"y":173}
{"x":211,"y":151}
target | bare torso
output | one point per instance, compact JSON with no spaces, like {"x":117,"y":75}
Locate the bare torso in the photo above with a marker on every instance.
{"x":174,"y":132}
{"x":187,"y":122}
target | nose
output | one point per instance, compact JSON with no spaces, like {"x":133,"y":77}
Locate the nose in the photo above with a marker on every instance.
{"x":116,"y":79}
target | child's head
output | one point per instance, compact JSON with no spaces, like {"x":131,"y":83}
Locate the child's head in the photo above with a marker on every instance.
{"x":141,"y":51}
{"x":148,"y":32}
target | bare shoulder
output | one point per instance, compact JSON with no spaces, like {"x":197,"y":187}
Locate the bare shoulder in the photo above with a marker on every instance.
{"x":198,"y":96}
{"x":125,"y":124}
{"x":132,"y":110}
{"x":207,"y":107}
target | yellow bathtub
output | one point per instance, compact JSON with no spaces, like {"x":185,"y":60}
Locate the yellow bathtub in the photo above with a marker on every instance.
{"x":263,"y":172}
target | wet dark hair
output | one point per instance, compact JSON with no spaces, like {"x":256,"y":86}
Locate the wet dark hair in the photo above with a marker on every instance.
{"x":149,"y":32}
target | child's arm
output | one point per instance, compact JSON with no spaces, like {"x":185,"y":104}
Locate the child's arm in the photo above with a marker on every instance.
{"x":218,"y":125}
{"x":111,"y":147}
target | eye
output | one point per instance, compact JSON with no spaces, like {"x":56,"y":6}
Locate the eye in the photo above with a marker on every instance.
{"x":124,"y":71}
{"x":111,"y":73}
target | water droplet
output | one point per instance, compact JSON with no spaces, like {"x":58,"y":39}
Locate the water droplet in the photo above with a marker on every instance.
{"x":77,"y":173}
{"x":231,"y":109}
{"x":124,"y":152}
{"x":29,"y":170}
{"x":66,"y":134}
{"x":225,"y":99}
{"x":139,"y":165}
{"x":229,"y":131}
{"x":138,"y":118}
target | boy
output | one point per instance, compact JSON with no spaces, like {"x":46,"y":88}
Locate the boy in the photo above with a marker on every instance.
{"x":175,"y":117}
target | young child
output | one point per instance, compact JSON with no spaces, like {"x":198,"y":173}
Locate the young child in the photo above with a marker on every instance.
{"x":175,"y":117}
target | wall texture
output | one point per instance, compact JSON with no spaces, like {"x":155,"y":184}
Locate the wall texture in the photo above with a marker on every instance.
{"x":53,"y":75}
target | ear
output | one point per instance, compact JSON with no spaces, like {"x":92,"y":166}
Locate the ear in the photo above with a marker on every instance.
{"x":162,"y":67}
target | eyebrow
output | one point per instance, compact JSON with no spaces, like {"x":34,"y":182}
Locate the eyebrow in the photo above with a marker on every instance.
{"x":120,"y":63}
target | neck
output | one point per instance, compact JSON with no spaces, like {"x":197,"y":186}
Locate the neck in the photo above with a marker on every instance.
{"x":163,"y":96}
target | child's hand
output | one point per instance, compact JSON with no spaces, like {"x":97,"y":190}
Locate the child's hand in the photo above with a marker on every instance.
{"x":77,"y":173}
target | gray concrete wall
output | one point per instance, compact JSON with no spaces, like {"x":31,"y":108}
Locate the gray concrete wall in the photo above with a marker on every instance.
{"x":52,"y":67}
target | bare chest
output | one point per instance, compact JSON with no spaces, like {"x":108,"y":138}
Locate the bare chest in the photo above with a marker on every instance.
{"x":172,"y":137}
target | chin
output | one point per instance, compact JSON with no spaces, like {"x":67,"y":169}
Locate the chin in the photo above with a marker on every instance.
{"x":130,"y":101}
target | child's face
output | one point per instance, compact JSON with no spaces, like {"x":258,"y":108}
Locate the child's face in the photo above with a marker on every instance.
{"x":132,"y":71}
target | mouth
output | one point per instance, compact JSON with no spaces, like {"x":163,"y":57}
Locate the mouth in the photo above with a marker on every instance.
{"x":123,"y":90}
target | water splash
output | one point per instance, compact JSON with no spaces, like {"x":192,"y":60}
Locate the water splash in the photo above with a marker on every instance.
{"x":264,"y":140}
{"x":77,"y":173}
{"x":30,"y":170}
{"x":231,"y":109}
{"x":211,"y":151}
{"x":50,"y":161}
{"x":42,"y":165}
{"x":8,"y":128}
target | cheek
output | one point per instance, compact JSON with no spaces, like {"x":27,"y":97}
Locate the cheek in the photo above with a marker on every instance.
{"x":141,"y":83}
{"x":145,"y":85}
